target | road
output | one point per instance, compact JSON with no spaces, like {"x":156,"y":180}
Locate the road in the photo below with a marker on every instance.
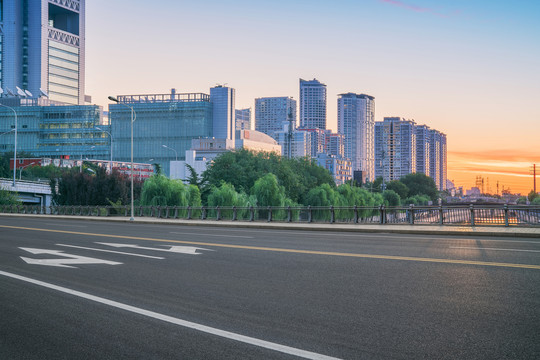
{"x":99,"y":290}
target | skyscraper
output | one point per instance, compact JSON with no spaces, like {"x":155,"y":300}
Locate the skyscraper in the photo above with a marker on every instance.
{"x":423,"y":149}
{"x":272,"y":112}
{"x":223,"y":99}
{"x":312,"y":104}
{"x":395,"y":148}
{"x":43,"y":48}
{"x":356,"y":121}
{"x":437,"y":158}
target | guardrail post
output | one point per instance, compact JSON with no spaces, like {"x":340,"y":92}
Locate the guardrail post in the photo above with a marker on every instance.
{"x":203,"y":213}
{"x":189,"y":213}
{"x":289,"y":214}
{"x":383,"y":215}
{"x":234,"y":213}
{"x":309,"y":214}
{"x":218,"y":213}
{"x":332,"y":215}
{"x":441,"y":219}
{"x":269,"y":214}
{"x":355,"y":214}
{"x":251,"y":214}
{"x":472,"y":215}
{"x":411,"y":214}
{"x":506,"y":223}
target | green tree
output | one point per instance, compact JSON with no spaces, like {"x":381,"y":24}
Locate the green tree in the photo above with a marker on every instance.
{"x":8,"y":198}
{"x":420,"y":184}
{"x":418,"y":200}
{"x":391,"y":198}
{"x":162,"y":191}
{"x":532,"y":195}
{"x":400,"y":188}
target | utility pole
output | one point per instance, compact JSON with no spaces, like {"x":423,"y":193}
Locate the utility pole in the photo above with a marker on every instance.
{"x":290,"y":134}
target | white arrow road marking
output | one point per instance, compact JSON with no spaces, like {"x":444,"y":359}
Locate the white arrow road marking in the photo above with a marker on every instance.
{"x":72,"y":259}
{"x":191,"y":250}
{"x":112,"y":251}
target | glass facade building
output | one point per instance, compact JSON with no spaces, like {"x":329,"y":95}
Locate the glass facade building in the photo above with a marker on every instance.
{"x":356,"y":121}
{"x":42,"y":48}
{"x":172,"y":120}
{"x":243,"y":119}
{"x":54,"y":131}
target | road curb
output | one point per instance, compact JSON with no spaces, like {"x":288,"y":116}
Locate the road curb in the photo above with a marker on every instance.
{"x":521,"y":232}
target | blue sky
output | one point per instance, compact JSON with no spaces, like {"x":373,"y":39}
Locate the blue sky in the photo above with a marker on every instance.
{"x":468,"y":68}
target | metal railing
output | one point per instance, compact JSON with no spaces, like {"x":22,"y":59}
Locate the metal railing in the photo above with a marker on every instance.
{"x":464,"y":215}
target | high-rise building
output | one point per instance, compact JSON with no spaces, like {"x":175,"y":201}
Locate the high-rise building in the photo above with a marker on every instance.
{"x":272,"y":112}
{"x":223,"y":99}
{"x":437,"y":158}
{"x":312,"y":104}
{"x":300,"y":143}
{"x":334,"y":144}
{"x":42,"y":46}
{"x":339,"y":167}
{"x":356,"y":121}
{"x":318,"y":140}
{"x":395,"y":148}
{"x":423,"y":149}
{"x":243,"y":119}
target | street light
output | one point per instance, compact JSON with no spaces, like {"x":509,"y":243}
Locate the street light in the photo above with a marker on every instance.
{"x":91,"y":148}
{"x":15,"y":148}
{"x":112,"y":98}
{"x":105,"y":131}
{"x":170,"y":148}
{"x":21,"y":169}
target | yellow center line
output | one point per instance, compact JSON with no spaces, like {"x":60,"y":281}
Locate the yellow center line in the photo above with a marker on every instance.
{"x":313,"y":252}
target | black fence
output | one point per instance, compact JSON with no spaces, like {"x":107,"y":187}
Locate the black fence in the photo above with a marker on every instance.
{"x":469,"y":215}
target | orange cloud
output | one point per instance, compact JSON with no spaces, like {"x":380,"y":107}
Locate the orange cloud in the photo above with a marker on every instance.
{"x":509,"y":168}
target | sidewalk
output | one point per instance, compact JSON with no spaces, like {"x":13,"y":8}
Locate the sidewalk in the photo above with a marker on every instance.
{"x":497,"y":231}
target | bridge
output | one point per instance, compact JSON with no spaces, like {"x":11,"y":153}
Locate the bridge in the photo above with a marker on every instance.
{"x":29,"y":192}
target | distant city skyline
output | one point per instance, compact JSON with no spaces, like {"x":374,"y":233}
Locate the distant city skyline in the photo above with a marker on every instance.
{"x":468,"y":69}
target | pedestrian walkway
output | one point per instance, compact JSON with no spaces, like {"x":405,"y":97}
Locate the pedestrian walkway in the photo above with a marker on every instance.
{"x":512,"y":231}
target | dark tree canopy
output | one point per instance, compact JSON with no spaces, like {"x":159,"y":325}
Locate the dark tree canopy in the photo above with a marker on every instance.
{"x":420,"y":184}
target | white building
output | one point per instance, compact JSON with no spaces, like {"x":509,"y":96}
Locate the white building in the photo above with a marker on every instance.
{"x":395,"y":148}
{"x":356,"y":121}
{"x":437,"y":158}
{"x":43,"y":49}
{"x":339,"y":167}
{"x":312,"y":104}
{"x":272,"y":112}
{"x":422,"y":149}
{"x":300,"y":142}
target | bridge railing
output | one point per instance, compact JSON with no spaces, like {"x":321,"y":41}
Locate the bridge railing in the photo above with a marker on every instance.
{"x":464,"y":215}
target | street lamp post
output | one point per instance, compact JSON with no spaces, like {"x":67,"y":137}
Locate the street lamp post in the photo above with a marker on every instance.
{"x":112,"y":98}
{"x":170,"y":148}
{"x":22,"y":167}
{"x":105,"y":131}
{"x":15,"y":147}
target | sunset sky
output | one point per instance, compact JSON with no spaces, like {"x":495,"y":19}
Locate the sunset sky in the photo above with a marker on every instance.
{"x":470,"y":69}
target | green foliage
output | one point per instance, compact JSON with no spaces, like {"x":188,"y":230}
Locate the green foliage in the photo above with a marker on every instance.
{"x":522,"y":200}
{"x":243,"y":168}
{"x":420,"y":184}
{"x":536,"y":201}
{"x":532,"y":196}
{"x":391,"y":198}
{"x":418,"y":200}
{"x":268,"y":192}
{"x":226,"y":195}
{"x":8,"y":197}
{"x":397,"y":186}
{"x":162,"y":191}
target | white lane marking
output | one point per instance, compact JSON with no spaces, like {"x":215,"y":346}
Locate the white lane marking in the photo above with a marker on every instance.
{"x":72,"y":259}
{"x":188,"y":324}
{"x":191,"y":250}
{"x":491,"y":249}
{"x":221,"y":235}
{"x":111,"y":251}
{"x":81,"y":226}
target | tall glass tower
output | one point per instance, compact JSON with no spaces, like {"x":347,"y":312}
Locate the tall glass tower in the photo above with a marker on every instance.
{"x":312,"y":104}
{"x":42,"y":48}
{"x":356,"y":121}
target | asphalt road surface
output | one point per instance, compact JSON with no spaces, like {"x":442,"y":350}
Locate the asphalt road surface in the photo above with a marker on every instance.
{"x":99,"y":290}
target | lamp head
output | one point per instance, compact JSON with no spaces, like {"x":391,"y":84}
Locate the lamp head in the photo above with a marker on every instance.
{"x":112,"y":98}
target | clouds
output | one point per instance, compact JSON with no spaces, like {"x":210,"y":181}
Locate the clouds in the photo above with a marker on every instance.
{"x":414,"y":8}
